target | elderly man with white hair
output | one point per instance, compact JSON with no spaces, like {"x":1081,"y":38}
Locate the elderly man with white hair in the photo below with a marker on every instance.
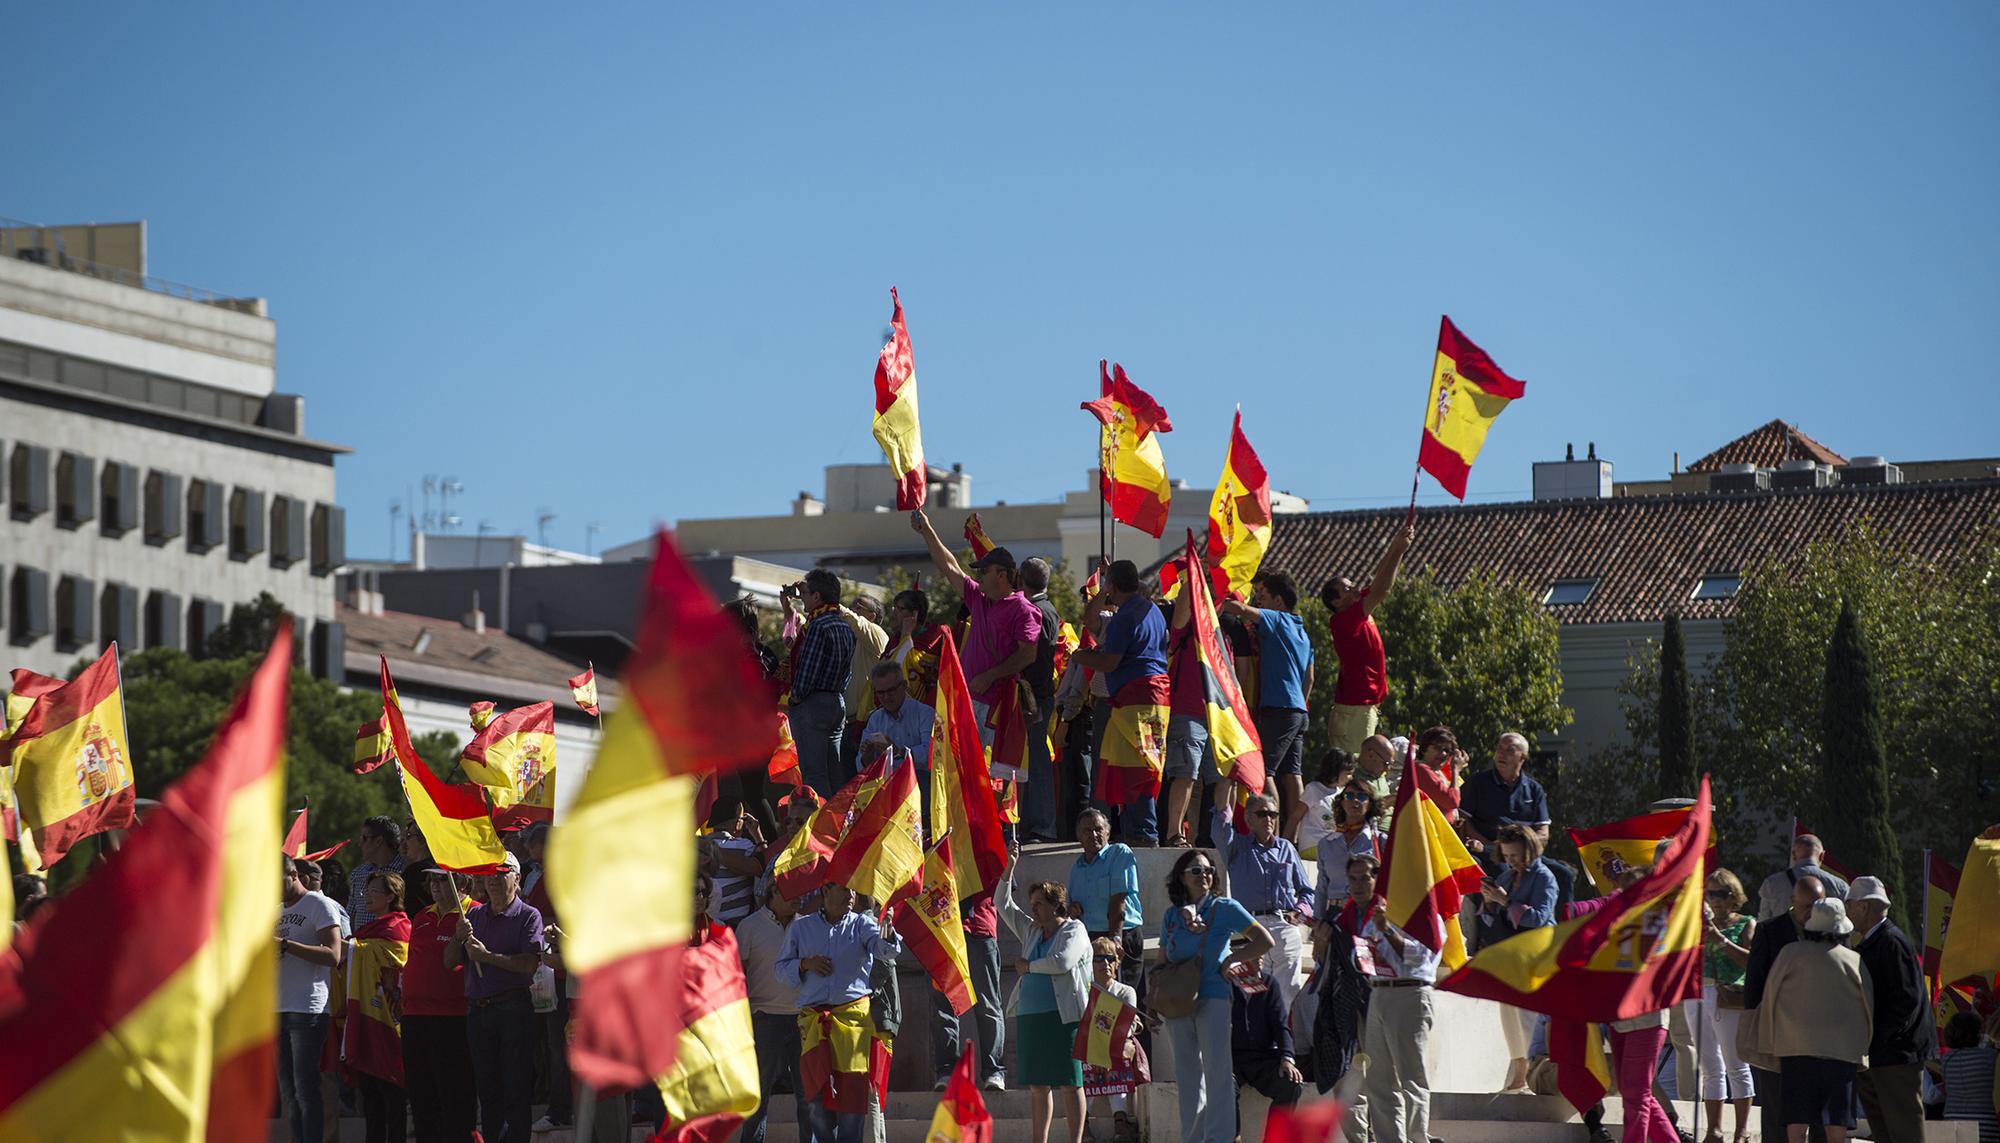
{"x":1267,"y":877}
{"x":1503,"y":795}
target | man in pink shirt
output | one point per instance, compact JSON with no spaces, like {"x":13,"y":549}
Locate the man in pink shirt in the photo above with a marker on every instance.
{"x":1001,"y":640}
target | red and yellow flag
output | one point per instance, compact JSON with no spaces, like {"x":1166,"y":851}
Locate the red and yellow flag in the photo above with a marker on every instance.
{"x":713,"y":1084}
{"x":1972,"y":938}
{"x":783,"y":768}
{"x":976,"y":537}
{"x":372,"y":745}
{"x":961,"y":1115}
{"x":1132,"y":471}
{"x":1467,"y":392}
{"x":480,"y":713}
{"x":295,"y":841}
{"x":1426,"y":873}
{"x":1640,"y":952}
{"x":583,"y":689}
{"x":453,"y":817}
{"x":1940,"y":889}
{"x":1583,"y":1071}
{"x":931,"y":925}
{"x":1231,"y":732}
{"x":1239,"y":514}
{"x":896,"y":411}
{"x":1135,"y":741}
{"x":371,"y":1038}
{"x":514,"y":758}
{"x":1315,"y":1122}
{"x":800,"y":866}
{"x":1609,"y":850}
{"x":72,"y":764}
{"x":622,"y":863}
{"x":141,"y":1004}
{"x":882,"y":853}
{"x":963,"y":807}
{"x":1105,"y":1031}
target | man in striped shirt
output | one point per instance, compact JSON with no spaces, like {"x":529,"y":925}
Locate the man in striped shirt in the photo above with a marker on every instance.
{"x":379,"y":854}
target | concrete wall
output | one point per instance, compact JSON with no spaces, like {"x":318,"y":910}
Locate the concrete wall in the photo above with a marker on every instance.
{"x":1594,"y":663}
{"x":130,"y":559}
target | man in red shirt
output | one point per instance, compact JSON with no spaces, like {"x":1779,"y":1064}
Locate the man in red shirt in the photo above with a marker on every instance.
{"x":437,"y":1061}
{"x":1364,"y":670}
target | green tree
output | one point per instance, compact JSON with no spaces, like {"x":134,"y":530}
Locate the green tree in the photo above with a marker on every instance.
{"x":1481,"y":657}
{"x":1676,"y":774}
{"x":1854,"y":795}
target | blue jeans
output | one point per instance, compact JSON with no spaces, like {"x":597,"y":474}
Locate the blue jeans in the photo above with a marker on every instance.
{"x":984,"y":1023}
{"x":829,"y":1126}
{"x":502,"y":1038}
{"x":301,"y":1035}
{"x":1038,"y":794}
{"x":777,"y":1055}
{"x":817,"y":726}
{"x":1202,"y":1064}
{"x":1134,"y":824}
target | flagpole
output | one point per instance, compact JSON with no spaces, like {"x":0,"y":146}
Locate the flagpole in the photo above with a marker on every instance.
{"x":1417,"y":477}
{"x":586,"y":1112}
{"x":1112,"y":548}
{"x":124,"y":725}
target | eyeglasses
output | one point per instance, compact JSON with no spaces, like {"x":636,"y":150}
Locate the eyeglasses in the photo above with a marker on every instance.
{"x":1720,"y":893}
{"x":885,"y":692}
{"x":1265,"y":814}
{"x":1201,"y":870}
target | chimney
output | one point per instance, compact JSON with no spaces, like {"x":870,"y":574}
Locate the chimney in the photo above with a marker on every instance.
{"x":475,"y":619}
{"x":1573,"y":479}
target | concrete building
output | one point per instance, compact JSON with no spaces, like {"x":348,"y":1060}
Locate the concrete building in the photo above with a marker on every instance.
{"x":855,"y":530}
{"x":154,"y":475}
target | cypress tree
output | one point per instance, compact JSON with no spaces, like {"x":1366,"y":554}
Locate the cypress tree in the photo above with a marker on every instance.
{"x":1677,"y":773}
{"x":1855,"y":794}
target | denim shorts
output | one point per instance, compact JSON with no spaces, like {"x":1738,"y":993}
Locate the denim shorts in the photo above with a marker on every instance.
{"x":1187,"y":747}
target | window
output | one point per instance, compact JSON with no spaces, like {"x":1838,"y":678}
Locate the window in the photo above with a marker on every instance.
{"x":288,"y":531}
{"x":329,"y":538}
{"x":118,"y":616}
{"x":246,"y":523}
{"x":163,"y":507}
{"x":163,"y":620}
{"x":28,"y":480}
{"x":76,"y":611}
{"x":118,"y":491}
{"x":204,"y":507}
{"x":76,"y":490}
{"x":1568,"y":591}
{"x":203,"y":617}
{"x":28,"y":604}
{"x":1718,"y":587}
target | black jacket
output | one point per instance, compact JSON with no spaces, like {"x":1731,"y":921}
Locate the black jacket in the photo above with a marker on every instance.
{"x":1904,"y":1029}
{"x":1771,"y":937}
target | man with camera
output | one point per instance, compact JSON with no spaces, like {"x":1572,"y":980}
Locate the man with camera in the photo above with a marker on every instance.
{"x":822,"y":659}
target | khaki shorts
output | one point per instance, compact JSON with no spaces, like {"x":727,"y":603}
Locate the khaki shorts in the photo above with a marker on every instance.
{"x":1350,"y":726}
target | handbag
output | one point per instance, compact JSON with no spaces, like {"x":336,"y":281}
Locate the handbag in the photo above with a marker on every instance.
{"x":1729,"y":997}
{"x":1173,"y":989}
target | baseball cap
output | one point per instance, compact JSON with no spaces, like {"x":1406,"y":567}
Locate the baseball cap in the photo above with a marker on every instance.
{"x":1868,"y":889}
{"x":997,"y":558}
{"x":512,"y":862}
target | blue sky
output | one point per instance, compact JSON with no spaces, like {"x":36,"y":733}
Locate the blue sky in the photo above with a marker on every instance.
{"x":631,"y":263}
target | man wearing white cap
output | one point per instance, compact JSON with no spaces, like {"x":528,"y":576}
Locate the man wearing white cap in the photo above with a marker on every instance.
{"x":1904,"y":1036}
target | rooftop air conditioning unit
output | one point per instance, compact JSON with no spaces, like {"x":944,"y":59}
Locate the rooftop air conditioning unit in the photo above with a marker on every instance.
{"x":1870,"y":470}
{"x":1740,"y":478}
{"x":1802,"y":474}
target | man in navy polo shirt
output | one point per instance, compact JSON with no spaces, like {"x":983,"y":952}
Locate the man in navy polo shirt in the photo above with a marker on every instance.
{"x":502,"y":941}
{"x":1501,"y":796}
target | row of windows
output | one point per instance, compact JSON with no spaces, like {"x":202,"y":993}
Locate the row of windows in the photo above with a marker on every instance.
{"x":121,"y":499}
{"x":129,"y":384}
{"x":1568,"y":592}
{"x":85,"y":618}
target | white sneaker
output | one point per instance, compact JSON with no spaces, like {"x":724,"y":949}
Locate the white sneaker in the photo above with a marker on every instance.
{"x":942,"y":1083}
{"x":545,"y":1124}
{"x":995,"y":1082}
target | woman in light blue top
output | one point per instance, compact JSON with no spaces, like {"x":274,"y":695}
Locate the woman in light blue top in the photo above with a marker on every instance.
{"x":1199,"y":925}
{"x":1049,"y":1000}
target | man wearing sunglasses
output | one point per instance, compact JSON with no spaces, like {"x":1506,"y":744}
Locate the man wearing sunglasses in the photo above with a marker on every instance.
{"x":1266,"y":875}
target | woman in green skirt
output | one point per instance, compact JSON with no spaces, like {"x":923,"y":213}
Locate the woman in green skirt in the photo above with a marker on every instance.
{"x":1049,"y":999}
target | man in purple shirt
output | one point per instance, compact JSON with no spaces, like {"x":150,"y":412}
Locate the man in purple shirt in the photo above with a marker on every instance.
{"x":502,"y":940}
{"x":1001,"y":640}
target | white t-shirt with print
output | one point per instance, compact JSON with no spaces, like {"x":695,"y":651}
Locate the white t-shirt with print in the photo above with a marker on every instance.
{"x":302,"y":985}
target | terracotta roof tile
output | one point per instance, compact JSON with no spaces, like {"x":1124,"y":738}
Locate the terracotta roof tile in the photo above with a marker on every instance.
{"x":1766,"y":446}
{"x":1647,"y":553}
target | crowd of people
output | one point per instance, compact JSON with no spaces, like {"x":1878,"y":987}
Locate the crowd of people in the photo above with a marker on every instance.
{"x":1276,"y":968}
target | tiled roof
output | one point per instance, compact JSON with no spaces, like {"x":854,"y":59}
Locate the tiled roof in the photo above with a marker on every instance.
{"x":1647,"y":553}
{"x":492,"y":664}
{"x":1766,"y":446}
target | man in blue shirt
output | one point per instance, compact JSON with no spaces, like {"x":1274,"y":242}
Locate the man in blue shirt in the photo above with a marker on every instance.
{"x":829,"y":956}
{"x":822,"y":660}
{"x":1504,"y":795}
{"x":1284,"y":680}
{"x":1268,"y":878}
{"x":1132,"y":737}
{"x":899,"y":721}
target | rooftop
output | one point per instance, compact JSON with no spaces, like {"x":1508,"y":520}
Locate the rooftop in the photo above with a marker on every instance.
{"x":444,"y":654}
{"x":1768,"y":446}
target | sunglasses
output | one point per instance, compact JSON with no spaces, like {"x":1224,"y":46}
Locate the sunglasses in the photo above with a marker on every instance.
{"x":1720,"y":893}
{"x":1355,"y":795}
{"x":1265,"y":814}
{"x":1201,"y":870}
{"x":1105,"y":959}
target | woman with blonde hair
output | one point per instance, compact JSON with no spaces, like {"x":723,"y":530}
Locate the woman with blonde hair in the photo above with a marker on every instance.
{"x":1727,"y":932}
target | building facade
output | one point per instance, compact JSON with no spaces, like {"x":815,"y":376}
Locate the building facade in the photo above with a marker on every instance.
{"x":154,"y":477}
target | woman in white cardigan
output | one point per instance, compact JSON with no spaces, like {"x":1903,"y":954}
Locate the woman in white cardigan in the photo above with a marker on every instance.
{"x":1048,"y":1000}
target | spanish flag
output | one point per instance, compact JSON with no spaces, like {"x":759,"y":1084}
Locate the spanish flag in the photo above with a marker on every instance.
{"x":800,"y":866}
{"x":1132,"y":471}
{"x":931,"y":926}
{"x":1135,"y":741}
{"x":371,"y":1040}
{"x":583,"y":688}
{"x":141,"y":1005}
{"x":1239,"y":514}
{"x":838,"y":1055}
{"x":1426,"y":873}
{"x":451,"y":816}
{"x":896,"y":411}
{"x":975,"y":535}
{"x":882,"y":853}
{"x":372,"y":745}
{"x":295,"y":841}
{"x":1467,"y":392}
{"x":1972,"y":939}
{"x":622,"y":863}
{"x":1941,"y":879}
{"x":1609,"y":850}
{"x":1231,"y":732}
{"x":480,"y":713}
{"x":72,"y":764}
{"x":1105,"y":1031}
{"x":713,"y":1084}
{"x":963,"y":807}
{"x":783,"y":767}
{"x":961,"y":1116}
{"x":514,"y":758}
{"x":1639,"y":952}
{"x":1583,"y":1069}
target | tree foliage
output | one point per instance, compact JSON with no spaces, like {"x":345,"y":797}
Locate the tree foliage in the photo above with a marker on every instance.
{"x":1481,"y":657}
{"x":1854,"y":795}
{"x":1677,"y":777}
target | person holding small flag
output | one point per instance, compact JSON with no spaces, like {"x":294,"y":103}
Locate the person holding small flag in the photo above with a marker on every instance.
{"x":829,"y":956}
{"x":1363,"y":681}
{"x":1002,"y":640}
{"x":437,"y":1059}
{"x":502,"y":942}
